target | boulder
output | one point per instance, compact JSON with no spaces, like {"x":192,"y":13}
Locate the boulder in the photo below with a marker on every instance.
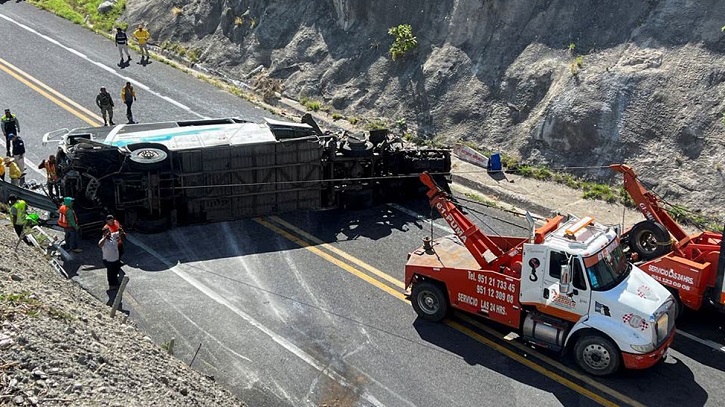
{"x":106,"y":6}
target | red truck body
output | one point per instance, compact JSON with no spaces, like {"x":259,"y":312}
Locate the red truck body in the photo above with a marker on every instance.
{"x":690,"y":265}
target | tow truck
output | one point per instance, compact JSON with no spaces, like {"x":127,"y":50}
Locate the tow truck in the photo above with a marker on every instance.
{"x":691,"y":266}
{"x":566,"y":287}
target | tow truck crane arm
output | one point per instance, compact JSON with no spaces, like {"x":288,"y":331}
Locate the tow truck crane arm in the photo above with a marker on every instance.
{"x":648,"y":203}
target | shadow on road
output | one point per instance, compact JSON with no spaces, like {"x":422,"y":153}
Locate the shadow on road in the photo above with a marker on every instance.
{"x":670,"y":383}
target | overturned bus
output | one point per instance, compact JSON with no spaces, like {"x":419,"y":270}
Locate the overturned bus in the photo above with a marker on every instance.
{"x":156,"y":175}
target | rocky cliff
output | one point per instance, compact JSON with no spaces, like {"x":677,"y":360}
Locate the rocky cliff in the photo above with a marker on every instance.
{"x":555,"y":82}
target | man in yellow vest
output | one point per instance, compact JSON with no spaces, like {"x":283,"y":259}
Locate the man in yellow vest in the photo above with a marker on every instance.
{"x":18,"y":212}
{"x":142,"y":36}
{"x":15,"y":174}
{"x":69,"y":222}
{"x":2,"y":168}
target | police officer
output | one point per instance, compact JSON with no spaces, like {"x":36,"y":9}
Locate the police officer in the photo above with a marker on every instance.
{"x":122,"y":44}
{"x":9,"y":125}
{"x":18,"y":212}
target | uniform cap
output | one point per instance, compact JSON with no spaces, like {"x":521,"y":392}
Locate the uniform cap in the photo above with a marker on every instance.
{"x":110,"y":217}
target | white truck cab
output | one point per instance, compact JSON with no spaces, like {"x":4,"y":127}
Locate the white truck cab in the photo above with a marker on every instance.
{"x":579,"y":274}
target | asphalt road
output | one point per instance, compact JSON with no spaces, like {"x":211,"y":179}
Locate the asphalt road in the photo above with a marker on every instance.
{"x":306,"y":308}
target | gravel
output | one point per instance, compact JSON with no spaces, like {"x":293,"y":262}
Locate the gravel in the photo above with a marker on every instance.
{"x":60,"y":346}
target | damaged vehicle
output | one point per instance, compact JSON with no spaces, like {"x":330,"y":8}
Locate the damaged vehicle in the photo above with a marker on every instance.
{"x":156,"y":175}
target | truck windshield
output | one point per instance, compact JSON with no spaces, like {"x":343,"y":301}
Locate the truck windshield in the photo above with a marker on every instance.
{"x":607,"y":268}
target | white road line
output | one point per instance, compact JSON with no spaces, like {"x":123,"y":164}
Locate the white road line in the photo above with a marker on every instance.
{"x":705,"y":342}
{"x":102,"y":66}
{"x":292,"y":348}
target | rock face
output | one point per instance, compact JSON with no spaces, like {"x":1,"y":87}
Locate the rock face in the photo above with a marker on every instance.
{"x":561,"y":83}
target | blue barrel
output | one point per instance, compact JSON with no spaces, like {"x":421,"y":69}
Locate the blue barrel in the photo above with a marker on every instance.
{"x":494,"y":162}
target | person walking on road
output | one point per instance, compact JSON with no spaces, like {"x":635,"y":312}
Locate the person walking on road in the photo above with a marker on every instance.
{"x":111,"y":258}
{"x":104,"y":101}
{"x":115,"y":227}
{"x":128,"y":96}
{"x":122,"y":44}
{"x":19,"y":154}
{"x":10,"y":125}
{"x":52,"y":174}
{"x":142,"y":36}
{"x":69,"y":222}
{"x":18,"y":213}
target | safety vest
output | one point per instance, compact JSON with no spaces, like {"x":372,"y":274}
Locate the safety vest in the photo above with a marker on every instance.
{"x":50,"y":169}
{"x":9,"y":124}
{"x":15,"y":172}
{"x":62,"y":219}
{"x":20,"y":211}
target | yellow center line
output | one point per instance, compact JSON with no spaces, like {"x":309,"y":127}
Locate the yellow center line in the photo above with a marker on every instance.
{"x":555,"y":363}
{"x":536,"y":367}
{"x":21,"y":77}
{"x":339,"y":252}
{"x":304,"y":240}
{"x":331,"y":259}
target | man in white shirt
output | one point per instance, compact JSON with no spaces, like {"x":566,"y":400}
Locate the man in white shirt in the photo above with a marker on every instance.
{"x":109,"y":247}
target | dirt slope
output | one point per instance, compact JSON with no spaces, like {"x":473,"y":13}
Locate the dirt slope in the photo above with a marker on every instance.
{"x":58,"y":345}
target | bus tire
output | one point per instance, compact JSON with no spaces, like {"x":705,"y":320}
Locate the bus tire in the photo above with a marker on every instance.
{"x":147,"y":156}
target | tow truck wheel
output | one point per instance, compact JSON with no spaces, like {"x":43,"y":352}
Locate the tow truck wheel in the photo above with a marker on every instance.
{"x":429,"y":301}
{"x":649,"y":240}
{"x":597,"y":355}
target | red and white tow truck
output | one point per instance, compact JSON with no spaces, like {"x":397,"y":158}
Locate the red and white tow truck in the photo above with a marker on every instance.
{"x":692,"y":266}
{"x":567,"y":287}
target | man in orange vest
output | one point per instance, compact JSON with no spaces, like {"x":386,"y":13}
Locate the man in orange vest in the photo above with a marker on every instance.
{"x":51,"y":172}
{"x":69,"y":222}
{"x":114,"y":226}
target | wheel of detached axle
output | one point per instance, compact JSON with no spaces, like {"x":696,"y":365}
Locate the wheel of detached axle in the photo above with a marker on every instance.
{"x":649,"y":240}
{"x":148,"y":156}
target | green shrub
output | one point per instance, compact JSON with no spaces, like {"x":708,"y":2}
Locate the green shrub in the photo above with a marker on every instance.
{"x":310,"y":104}
{"x":337,"y":116}
{"x":404,"y":40}
{"x":376,"y":124}
{"x":353,"y":120}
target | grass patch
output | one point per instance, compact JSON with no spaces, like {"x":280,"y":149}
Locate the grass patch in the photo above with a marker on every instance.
{"x":480,"y":199}
{"x":353,"y":120}
{"x":310,"y":104}
{"x":337,"y":116}
{"x":376,"y":124}
{"x":76,"y":11}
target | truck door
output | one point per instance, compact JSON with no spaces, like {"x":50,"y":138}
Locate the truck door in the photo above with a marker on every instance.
{"x":566,"y":306}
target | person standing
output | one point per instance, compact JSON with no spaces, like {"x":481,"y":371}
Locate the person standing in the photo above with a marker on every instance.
{"x":52,"y":175}
{"x":10,"y":125}
{"x":122,"y":44}
{"x":111,"y":258}
{"x":19,"y":154}
{"x":2,"y":168}
{"x":68,"y":220}
{"x":128,"y":96}
{"x":115,"y":227}
{"x":142,"y":36}
{"x":18,"y":213}
{"x":104,"y":101}
{"x":15,"y":173}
